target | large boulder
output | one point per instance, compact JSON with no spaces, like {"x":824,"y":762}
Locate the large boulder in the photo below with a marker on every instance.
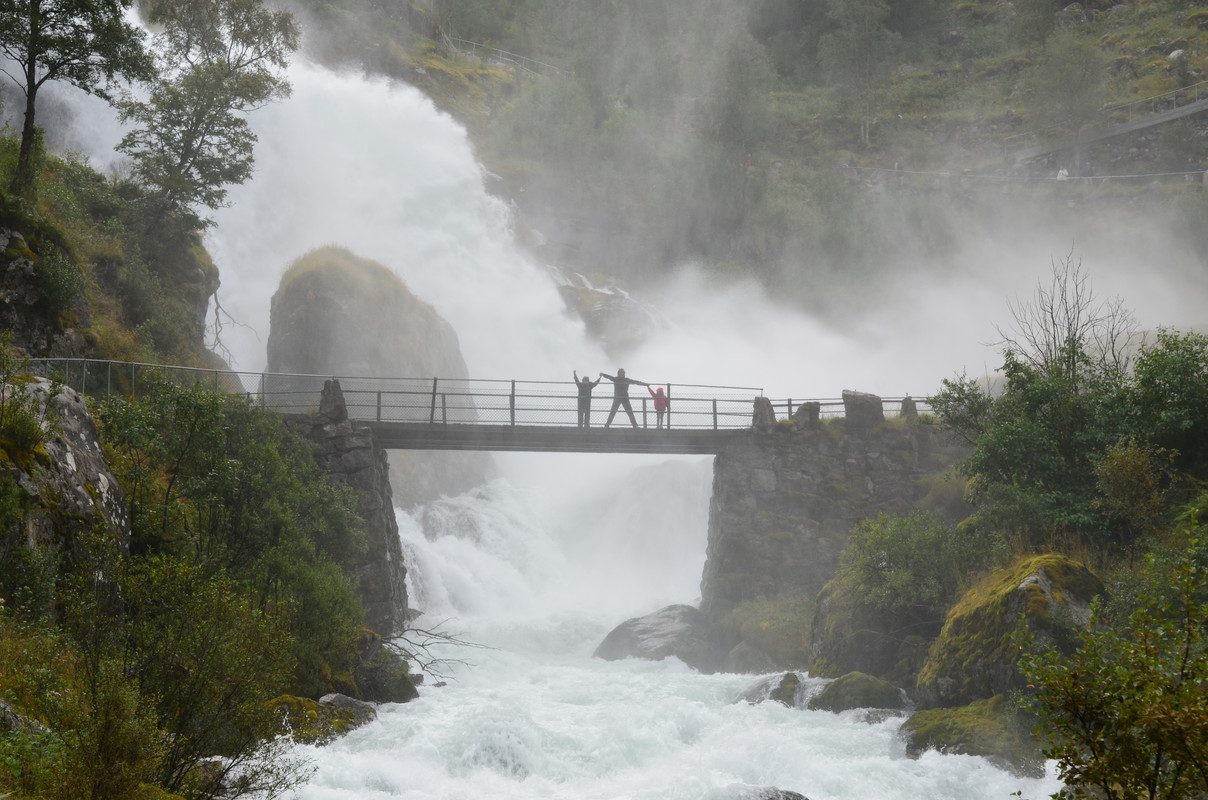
{"x":976,"y":655}
{"x":337,"y":314}
{"x":677,"y":631}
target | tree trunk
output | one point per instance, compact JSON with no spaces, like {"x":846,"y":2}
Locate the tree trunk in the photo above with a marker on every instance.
{"x":23,"y":179}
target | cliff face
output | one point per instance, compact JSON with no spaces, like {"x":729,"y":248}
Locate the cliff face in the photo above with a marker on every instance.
{"x":785,"y":499}
{"x":75,"y":507}
{"x":341,"y":315}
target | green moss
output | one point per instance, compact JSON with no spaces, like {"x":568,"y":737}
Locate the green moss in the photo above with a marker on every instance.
{"x":308,"y":722}
{"x":989,"y":728}
{"x":979,"y":628}
{"x":785,"y":692}
{"x":856,"y":690}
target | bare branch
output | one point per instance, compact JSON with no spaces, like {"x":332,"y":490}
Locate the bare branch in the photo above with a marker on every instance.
{"x":416,"y":645}
{"x":1063,"y":324}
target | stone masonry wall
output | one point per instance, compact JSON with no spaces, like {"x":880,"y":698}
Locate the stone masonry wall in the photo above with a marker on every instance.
{"x":348,"y":452}
{"x":785,"y":499}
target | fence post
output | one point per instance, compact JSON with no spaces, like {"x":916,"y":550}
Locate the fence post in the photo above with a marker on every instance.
{"x":668,"y":406}
{"x":379,"y":405}
{"x":444,"y":409}
{"x":132,"y":380}
{"x":84,"y":382}
{"x":790,"y":403}
{"x":714,"y":413}
{"x":644,"y":423}
{"x":512,"y":403}
{"x":432,"y":407}
{"x":108,"y":379}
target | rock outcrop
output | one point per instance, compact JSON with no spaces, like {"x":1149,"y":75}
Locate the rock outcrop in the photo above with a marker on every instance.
{"x":346,"y":450}
{"x":675,"y":631}
{"x":73,"y":496}
{"x":975,"y":657}
{"x":336,"y":314}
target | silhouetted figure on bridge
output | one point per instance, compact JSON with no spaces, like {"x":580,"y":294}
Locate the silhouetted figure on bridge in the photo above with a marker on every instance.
{"x":620,"y":395}
{"x":585,"y":387}
{"x":660,"y":404}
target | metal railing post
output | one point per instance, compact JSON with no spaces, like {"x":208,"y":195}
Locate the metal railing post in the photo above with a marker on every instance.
{"x":379,"y":405}
{"x":432,"y":408}
{"x":645,"y":424}
{"x":512,"y":403}
{"x":714,"y":413}
{"x":108,"y":380}
{"x":444,"y":409}
{"x":668,"y":414}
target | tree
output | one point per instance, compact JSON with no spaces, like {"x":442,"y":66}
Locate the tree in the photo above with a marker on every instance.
{"x":1065,"y":320}
{"x":1065,"y":404}
{"x":87,"y":43}
{"x":218,"y":60}
{"x":857,"y":53}
{"x":1127,"y":715}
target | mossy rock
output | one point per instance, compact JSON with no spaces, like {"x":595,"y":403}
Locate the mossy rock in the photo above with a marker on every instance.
{"x":383,"y":676}
{"x":857,"y":690}
{"x":785,"y":692}
{"x":988,"y":728}
{"x":975,"y":656}
{"x":310,"y":723}
{"x":845,"y":639}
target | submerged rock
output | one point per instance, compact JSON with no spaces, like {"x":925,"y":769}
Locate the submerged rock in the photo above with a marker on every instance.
{"x":678,"y":631}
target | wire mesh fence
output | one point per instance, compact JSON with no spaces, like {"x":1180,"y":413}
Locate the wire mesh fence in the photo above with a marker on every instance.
{"x":444,"y":401}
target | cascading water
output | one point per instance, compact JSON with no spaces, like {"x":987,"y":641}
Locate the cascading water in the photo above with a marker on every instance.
{"x":538,"y":565}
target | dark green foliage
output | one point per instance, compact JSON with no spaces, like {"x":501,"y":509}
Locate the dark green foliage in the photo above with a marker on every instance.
{"x":1126,"y":715}
{"x":908,"y":569}
{"x":59,"y":279}
{"x":217,"y":60}
{"x":80,"y":42}
{"x":1171,"y":395}
{"x":211,"y":658}
{"x":224,"y":485}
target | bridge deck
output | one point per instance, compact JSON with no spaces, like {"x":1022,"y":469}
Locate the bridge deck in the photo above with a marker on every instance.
{"x":514,"y":438}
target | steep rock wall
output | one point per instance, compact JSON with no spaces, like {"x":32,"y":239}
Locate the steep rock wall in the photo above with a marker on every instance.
{"x":785,"y":499}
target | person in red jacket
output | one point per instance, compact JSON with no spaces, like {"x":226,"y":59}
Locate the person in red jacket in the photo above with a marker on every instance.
{"x":660,"y":403}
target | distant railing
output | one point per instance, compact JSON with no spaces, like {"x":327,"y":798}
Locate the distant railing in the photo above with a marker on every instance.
{"x":486,"y":52}
{"x":439,"y":401}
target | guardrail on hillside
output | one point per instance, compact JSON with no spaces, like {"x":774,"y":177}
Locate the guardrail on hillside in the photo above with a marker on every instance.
{"x":438,"y":401}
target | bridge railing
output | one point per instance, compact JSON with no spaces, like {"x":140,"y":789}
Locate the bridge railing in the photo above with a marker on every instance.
{"x":439,"y":401}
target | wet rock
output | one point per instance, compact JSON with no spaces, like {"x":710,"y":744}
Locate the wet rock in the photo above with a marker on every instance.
{"x":678,"y":631}
{"x":857,"y":690}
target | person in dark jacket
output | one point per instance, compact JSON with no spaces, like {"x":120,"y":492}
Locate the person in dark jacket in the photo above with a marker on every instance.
{"x":620,"y":395}
{"x":660,"y":403}
{"x":585,"y":387}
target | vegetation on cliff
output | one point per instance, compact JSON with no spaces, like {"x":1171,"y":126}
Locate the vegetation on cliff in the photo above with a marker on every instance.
{"x":140,"y":667}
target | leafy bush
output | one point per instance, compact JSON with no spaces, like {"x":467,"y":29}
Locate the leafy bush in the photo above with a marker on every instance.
{"x":910,"y":568}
